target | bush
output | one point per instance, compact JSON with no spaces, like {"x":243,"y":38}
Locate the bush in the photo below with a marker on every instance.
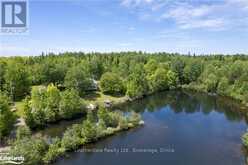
{"x":104,"y":115}
{"x":23,"y":132}
{"x":89,"y":131}
{"x":55,"y":150}
{"x":71,"y":138}
{"x":123,"y":123}
{"x":32,"y":149}
{"x":245,"y":139}
{"x":52,"y":102}
{"x":91,"y":117}
{"x":7,"y":117}
{"x":28,"y":116}
{"x":134,"y":118}
{"x":101,"y":129}
{"x":115,"y":118}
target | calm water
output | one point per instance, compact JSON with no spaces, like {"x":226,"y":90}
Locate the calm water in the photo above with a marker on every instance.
{"x":180,"y":129}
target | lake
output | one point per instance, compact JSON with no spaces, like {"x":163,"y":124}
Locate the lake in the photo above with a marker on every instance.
{"x":181,"y":128}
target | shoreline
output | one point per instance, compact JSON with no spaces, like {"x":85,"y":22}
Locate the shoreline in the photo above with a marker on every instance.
{"x":126,"y":99}
{"x":116,"y":104}
{"x":234,"y":100}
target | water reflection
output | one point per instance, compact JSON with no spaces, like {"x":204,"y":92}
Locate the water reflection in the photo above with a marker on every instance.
{"x":201,"y":129}
{"x":188,"y":102}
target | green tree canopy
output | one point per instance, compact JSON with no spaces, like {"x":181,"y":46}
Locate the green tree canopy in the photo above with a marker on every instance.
{"x":77,"y":78}
{"x":111,"y":83}
{"x":7,"y":118}
{"x":137,"y":84}
{"x":17,"y":80}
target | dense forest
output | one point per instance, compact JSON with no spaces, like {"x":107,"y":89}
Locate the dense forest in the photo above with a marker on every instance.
{"x":55,"y":87}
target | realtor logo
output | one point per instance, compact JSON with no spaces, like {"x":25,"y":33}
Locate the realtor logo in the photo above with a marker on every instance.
{"x":6,"y":158}
{"x":14,"y":16}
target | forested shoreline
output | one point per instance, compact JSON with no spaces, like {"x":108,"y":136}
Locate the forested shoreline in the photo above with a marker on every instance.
{"x":56,"y":87}
{"x":53,"y":87}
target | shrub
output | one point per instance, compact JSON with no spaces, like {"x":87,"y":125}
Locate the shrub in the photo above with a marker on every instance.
{"x":101,"y":129}
{"x":89,"y":132}
{"x":52,"y":101}
{"x":245,"y":139}
{"x":134,"y":118}
{"x":104,"y":115}
{"x":55,"y":150}
{"x":23,"y":132}
{"x":32,"y":149}
{"x":71,"y":139}
{"x":115,"y":118}
{"x":7,"y":117}
{"x":123,"y":123}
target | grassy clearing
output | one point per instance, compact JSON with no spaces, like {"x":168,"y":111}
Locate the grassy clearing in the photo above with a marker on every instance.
{"x":98,"y":98}
{"x":19,"y":108}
